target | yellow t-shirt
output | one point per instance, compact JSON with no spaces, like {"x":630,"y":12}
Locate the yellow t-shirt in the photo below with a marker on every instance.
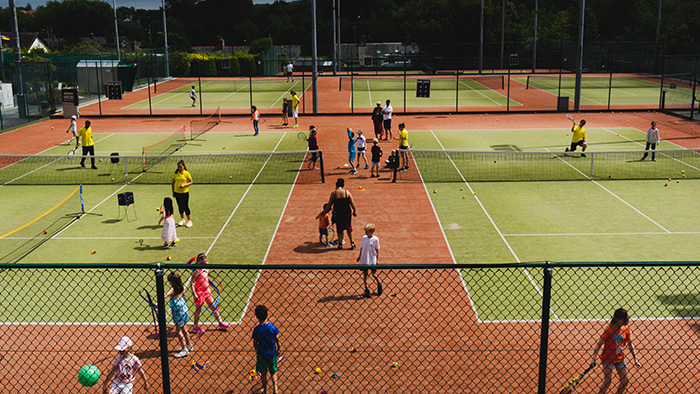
{"x":295,"y":102}
{"x":86,"y":136}
{"x":179,"y":179}
{"x":579,"y":134}
{"x":403,"y":135}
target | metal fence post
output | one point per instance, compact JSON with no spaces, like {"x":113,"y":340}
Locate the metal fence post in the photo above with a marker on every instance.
{"x":320,"y":159}
{"x":544,"y":334}
{"x":162,"y":330}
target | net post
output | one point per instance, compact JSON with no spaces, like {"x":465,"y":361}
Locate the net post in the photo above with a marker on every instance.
{"x":544,"y":333}
{"x":320,"y":159}
{"x":396,"y":166}
{"x":82,"y":203}
{"x":162,"y":329}
{"x":143,"y":158}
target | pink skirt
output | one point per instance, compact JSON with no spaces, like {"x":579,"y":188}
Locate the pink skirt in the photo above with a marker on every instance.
{"x":169,"y":234}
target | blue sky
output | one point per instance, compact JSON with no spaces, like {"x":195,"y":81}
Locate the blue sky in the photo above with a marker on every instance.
{"x":145,"y":4}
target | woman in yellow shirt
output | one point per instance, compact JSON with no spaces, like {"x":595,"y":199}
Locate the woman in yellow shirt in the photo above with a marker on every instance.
{"x":182,"y":180}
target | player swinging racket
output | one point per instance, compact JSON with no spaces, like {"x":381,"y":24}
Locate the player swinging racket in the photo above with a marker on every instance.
{"x":578,"y":138}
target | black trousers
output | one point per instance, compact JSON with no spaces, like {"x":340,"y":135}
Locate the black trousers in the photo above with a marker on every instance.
{"x":653,"y":151}
{"x":88,"y":150}
{"x":183,"y":202}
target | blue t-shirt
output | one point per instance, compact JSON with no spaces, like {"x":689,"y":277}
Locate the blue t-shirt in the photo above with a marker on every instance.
{"x":266,"y":334}
{"x":351,"y":143}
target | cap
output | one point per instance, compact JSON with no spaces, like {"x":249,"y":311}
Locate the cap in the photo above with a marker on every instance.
{"x":359,"y":131}
{"x":123,"y":344}
{"x":73,"y":117}
{"x":379,"y":103}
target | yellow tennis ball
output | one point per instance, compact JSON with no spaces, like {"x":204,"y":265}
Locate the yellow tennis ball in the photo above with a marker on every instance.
{"x":317,"y":370}
{"x":112,"y":178}
{"x":100,"y":160}
{"x":463,"y":197}
{"x":167,"y":258}
{"x":51,"y":127}
{"x":461,"y":189}
{"x":435,"y":191}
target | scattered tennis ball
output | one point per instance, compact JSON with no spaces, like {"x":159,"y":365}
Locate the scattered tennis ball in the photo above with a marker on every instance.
{"x":45,"y":232}
{"x":353,"y":349}
{"x":665,"y":184}
{"x":177,"y":240}
{"x":567,"y":133}
{"x":618,"y":135}
{"x":461,"y":189}
{"x":230,"y":177}
{"x":683,"y":175}
{"x":494,"y":161}
{"x":394,"y":364}
{"x":463,"y":197}
{"x":317,"y":370}
{"x":94,"y":251}
{"x":678,"y":181}
{"x":492,"y":124}
{"x":609,"y":176}
{"x":112,"y":178}
{"x":676,"y":122}
{"x":167,"y":258}
{"x":683,"y":171}
{"x":51,"y":127}
{"x":100,"y":160}
{"x":359,"y":187}
{"x":224,"y":147}
{"x":670,"y":179}
{"x":475,"y":193}
{"x":435,"y":191}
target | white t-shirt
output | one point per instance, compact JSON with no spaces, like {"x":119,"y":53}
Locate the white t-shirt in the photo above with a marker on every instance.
{"x":192,"y":93}
{"x":126,"y":368}
{"x":653,"y":135}
{"x":290,"y":67}
{"x":361,"y":141}
{"x":388,"y":110}
{"x":369,"y":247}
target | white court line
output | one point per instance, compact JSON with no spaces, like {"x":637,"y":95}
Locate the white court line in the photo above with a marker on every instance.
{"x":485,"y":96}
{"x":369,"y":93}
{"x":103,"y":238}
{"x":659,"y":153}
{"x":600,"y":234}
{"x":500,"y":234}
{"x":449,"y":247}
{"x":500,"y":94}
{"x":611,"y":193}
{"x":284,"y":94}
{"x":234,"y":92}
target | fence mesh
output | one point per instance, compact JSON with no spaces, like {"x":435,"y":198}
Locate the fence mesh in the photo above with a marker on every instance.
{"x":442,"y":328}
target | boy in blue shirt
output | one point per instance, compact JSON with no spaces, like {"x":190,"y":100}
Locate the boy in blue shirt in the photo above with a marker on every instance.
{"x":267,"y":348}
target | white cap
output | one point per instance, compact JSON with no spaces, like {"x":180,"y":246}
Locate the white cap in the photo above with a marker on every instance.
{"x":379,"y":103}
{"x":123,"y":344}
{"x":73,"y":117}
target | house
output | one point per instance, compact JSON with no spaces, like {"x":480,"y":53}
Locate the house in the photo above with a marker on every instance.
{"x":27,"y":41}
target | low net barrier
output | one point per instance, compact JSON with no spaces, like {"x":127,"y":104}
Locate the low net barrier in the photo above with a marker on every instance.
{"x":453,"y":82}
{"x":231,"y":168}
{"x":460,"y":166}
{"x":199,"y":127}
{"x":526,"y":328}
{"x":154,"y":153}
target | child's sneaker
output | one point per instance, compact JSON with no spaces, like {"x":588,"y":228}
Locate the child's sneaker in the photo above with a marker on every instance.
{"x":190,"y":348}
{"x":366,"y":166}
{"x":367,"y":294}
{"x":223,"y":326}
{"x":379,"y":289}
{"x":198,"y":330}
{"x":173,"y":243}
{"x":165,"y":246}
{"x":182,"y":353}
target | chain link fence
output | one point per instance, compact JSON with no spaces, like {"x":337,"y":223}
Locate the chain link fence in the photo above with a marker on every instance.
{"x":525,"y":328}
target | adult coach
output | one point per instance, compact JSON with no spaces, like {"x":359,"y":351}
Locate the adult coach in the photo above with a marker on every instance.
{"x":295,"y":108}
{"x":193,"y":96}
{"x":652,"y":139}
{"x":313,"y":148}
{"x":182,"y":180}
{"x":343,"y":207}
{"x":386,"y":113}
{"x":578,"y":138}
{"x":290,"y":71}
{"x":377,"y":119}
{"x":403,"y":146}
{"x":85,"y":135}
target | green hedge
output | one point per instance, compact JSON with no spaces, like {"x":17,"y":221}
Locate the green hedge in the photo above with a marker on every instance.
{"x":210,"y":64}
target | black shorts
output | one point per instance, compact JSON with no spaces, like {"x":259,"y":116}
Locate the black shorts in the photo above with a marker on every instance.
{"x":575,"y":144}
{"x":374,"y":270}
{"x":403,"y":147}
{"x":387,"y":124}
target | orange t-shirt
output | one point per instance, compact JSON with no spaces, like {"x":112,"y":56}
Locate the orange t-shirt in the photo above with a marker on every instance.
{"x":616,"y":340}
{"x":323,"y":220}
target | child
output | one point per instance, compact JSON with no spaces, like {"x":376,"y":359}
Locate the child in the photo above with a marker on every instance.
{"x":193,"y":96}
{"x":616,"y":338}
{"x":199,"y":284}
{"x":169,"y":235}
{"x":267,"y":348}
{"x":324,"y":222}
{"x":124,"y":369}
{"x":73,"y":128}
{"x":313,"y":148}
{"x":256,"y":119}
{"x":376,"y":155}
{"x":285,"y":112}
{"x":361,"y":147}
{"x":369,"y":253}
{"x":178,"y":306}
{"x":351,"y":151}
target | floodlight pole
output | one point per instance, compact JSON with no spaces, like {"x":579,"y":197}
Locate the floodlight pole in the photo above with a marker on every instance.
{"x":335,"y":41}
{"x":314,"y":57}
{"x":658,"y":33}
{"x":534,"y":41}
{"x":579,"y":65}
{"x":503,"y":32}
{"x":165,"y":37}
{"x":116,"y":30}
{"x":481,"y":39}
{"x":18,"y":60}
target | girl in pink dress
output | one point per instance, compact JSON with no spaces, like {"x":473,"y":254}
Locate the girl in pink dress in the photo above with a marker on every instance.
{"x":169,"y":235}
{"x":199,"y":284}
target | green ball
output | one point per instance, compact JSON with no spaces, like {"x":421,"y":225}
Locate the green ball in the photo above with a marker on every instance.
{"x":89,"y":375}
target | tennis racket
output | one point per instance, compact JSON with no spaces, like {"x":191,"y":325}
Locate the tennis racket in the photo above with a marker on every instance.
{"x":302,"y":136}
{"x":575,"y":381}
{"x":331,"y":236}
{"x":262,"y":120}
{"x":72,"y":152}
{"x":571,"y":118}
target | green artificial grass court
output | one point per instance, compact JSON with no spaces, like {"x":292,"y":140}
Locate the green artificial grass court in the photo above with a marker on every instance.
{"x":228,"y":94}
{"x":595,"y":90}
{"x":563,"y":221}
{"x":222,"y":216}
{"x":444,"y":92}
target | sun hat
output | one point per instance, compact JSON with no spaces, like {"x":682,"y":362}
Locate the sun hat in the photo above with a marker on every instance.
{"x":124,"y":343}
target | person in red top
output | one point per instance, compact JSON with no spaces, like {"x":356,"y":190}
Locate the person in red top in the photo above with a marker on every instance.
{"x":199,"y":284}
{"x":616,"y":338}
{"x":256,"y":119}
{"x":313,"y":147}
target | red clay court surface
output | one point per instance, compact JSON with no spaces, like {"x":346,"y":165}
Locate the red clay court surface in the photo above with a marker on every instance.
{"x":387,"y":205}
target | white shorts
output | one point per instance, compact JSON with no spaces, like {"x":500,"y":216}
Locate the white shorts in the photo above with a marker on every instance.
{"x":295,"y":113}
{"x":122,"y":388}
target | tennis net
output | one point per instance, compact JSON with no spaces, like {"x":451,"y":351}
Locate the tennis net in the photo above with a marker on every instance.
{"x":437,"y":82}
{"x":152,"y":154}
{"x":460,"y":166}
{"x":199,"y":127}
{"x":231,"y":168}
{"x":18,"y":243}
{"x":606,"y":81}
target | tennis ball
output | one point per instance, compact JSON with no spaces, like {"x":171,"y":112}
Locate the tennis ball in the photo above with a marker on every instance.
{"x":683,"y":175}
{"x":494,"y":161}
{"x":44,"y":231}
{"x":567,"y":133}
{"x":167,"y":258}
{"x":359,"y":187}
{"x":177,"y":240}
{"x":461,"y":189}
{"x":353,"y":349}
{"x":678,"y":181}
{"x":317,"y":370}
{"x":475,"y":193}
{"x":463,"y":197}
{"x":224,"y":147}
{"x":158,"y":209}
{"x":394,"y":364}
{"x":434,"y":191}
{"x":230,"y":177}
{"x":492,"y":124}
{"x":112,"y":178}
{"x":94,"y":251}
{"x":665,"y":184}
{"x":670,"y":179}
{"x":100,"y":160}
{"x":683,"y":171}
{"x":89,"y":375}
{"x":51,"y":127}
{"x":609,"y":176}
{"x":618,"y":135}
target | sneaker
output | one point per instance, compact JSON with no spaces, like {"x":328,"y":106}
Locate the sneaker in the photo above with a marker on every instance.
{"x":166,"y":246}
{"x":366,"y":166}
{"x":566,"y":150}
{"x":653,"y":159}
{"x":352,"y":246}
{"x":190,"y":348}
{"x":198,"y":330}
{"x":405,"y":168}
{"x":379,"y":289}
{"x":189,"y":224}
{"x":93,"y":167}
{"x":367,"y":294}
{"x":182,"y":353}
{"x":82,"y":165}
{"x":316,"y":168}
{"x":173,"y":243}
{"x":583,"y":155}
{"x":181,"y":222}
{"x":223,"y":326}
